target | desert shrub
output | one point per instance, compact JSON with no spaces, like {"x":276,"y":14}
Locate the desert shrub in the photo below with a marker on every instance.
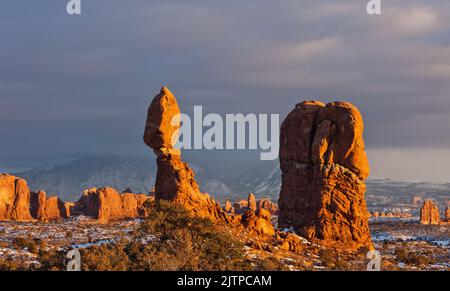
{"x":419,"y":260}
{"x":105,"y":257}
{"x":52,"y":260}
{"x":270,"y":264}
{"x":182,"y":242}
{"x":333,"y":260}
{"x":413,"y":258}
{"x":12,"y":265}
{"x":170,"y":239}
{"x":21,"y":243}
{"x":328,"y":257}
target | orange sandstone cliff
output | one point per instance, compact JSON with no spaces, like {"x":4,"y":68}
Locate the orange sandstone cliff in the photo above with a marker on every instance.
{"x":14,"y":198}
{"x":324,"y":166}
{"x":429,"y":213}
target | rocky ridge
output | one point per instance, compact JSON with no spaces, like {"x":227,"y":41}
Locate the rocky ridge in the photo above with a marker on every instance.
{"x":18,"y":203}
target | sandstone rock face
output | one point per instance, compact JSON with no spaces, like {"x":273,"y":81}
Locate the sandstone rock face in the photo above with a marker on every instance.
{"x":447,"y":213}
{"x":251,"y":202}
{"x":162,"y":125}
{"x":132,"y":204}
{"x":268,"y":205}
{"x":14,"y":198}
{"x":258,"y":222}
{"x":228,"y":207}
{"x":324,"y":166}
{"x":54,"y":209}
{"x":292,"y":243}
{"x":37,"y":205}
{"x":429,"y":213}
{"x":46,"y":209}
{"x":107,"y":204}
{"x":174,"y":179}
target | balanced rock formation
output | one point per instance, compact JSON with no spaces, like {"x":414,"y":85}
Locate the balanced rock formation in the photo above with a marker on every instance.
{"x":174,"y":179}
{"x":324,"y":166}
{"x":429,"y":213}
{"x":14,"y":198}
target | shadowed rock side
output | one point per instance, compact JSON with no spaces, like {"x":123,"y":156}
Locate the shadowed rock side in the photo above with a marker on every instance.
{"x":324,"y":165}
{"x":175,"y":181}
{"x":429,"y":213}
{"x":447,"y":214}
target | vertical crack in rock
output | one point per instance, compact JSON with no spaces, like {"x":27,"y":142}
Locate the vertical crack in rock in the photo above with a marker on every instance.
{"x":324,"y":166}
{"x":429,"y":213}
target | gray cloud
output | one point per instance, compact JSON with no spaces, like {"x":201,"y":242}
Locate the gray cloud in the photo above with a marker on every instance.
{"x":75,"y":85}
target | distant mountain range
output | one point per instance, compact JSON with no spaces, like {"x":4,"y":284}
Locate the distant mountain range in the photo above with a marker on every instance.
{"x":225,"y":181}
{"x":220,"y":176}
{"x":68,"y":179}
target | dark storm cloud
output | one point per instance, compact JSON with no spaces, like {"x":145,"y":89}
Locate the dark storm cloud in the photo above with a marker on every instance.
{"x":74,"y":85}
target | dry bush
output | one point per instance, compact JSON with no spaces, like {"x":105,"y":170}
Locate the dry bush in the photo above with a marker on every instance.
{"x":169,"y":239}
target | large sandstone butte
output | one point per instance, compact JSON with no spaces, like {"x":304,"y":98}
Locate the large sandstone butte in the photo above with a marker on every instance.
{"x":324,"y":166}
{"x":106,"y":204}
{"x":175,"y":181}
{"x":429,"y":213}
{"x":47,"y":209}
{"x":14,"y":198}
{"x":17,"y":203}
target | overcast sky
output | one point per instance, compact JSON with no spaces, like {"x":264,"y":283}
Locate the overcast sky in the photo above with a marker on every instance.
{"x":76,"y":85}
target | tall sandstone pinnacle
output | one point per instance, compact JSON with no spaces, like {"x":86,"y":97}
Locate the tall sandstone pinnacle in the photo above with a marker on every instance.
{"x":174,"y":179}
{"x":324,"y":166}
{"x":14,"y":198}
{"x":429,"y":213}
